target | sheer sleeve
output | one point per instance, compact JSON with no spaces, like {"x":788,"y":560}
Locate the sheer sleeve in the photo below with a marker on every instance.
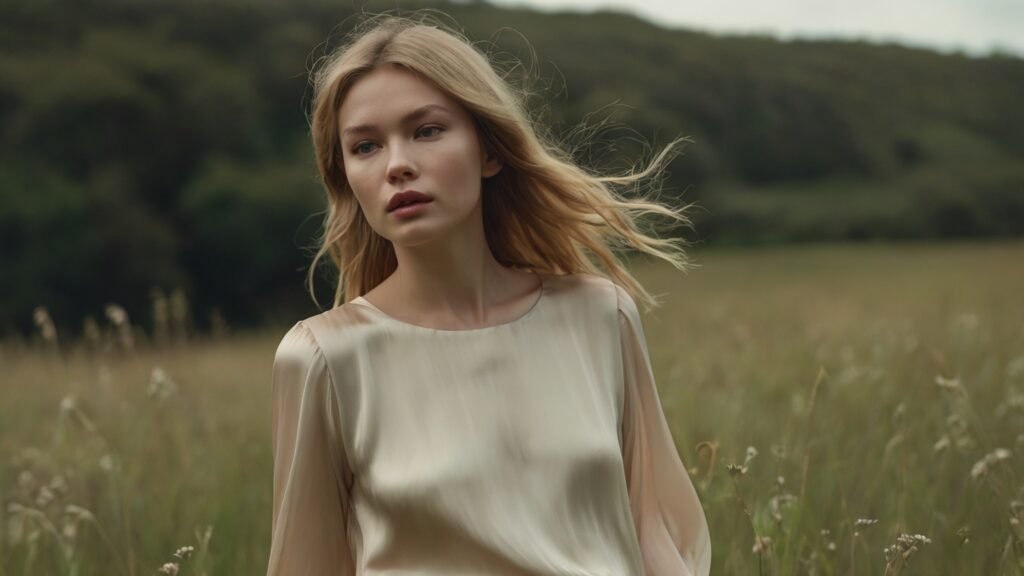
{"x":311,"y":476}
{"x":670,"y":522}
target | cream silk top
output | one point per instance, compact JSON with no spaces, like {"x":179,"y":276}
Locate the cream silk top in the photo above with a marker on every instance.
{"x":532,"y":447}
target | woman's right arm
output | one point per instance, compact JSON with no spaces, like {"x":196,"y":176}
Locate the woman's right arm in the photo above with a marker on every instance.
{"x":311,"y":476}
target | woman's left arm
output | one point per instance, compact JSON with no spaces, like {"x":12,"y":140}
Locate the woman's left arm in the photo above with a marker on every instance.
{"x":670,"y":522}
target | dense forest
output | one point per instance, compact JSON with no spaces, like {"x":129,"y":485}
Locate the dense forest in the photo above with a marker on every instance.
{"x":163,"y":144}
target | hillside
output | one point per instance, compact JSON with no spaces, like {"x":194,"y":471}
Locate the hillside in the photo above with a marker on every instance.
{"x":164,"y":143}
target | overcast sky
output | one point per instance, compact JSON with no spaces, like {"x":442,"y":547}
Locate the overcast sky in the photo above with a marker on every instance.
{"x":972,"y":26}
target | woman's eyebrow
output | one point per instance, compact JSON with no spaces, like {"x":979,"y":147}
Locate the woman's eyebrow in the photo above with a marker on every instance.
{"x":411,"y":116}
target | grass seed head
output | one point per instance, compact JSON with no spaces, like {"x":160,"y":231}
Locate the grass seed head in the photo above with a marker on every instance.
{"x":982,"y":467}
{"x":736,"y":470}
{"x":762,"y":545}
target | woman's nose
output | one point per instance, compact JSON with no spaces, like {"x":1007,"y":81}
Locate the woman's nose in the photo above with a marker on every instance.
{"x":401,"y":165}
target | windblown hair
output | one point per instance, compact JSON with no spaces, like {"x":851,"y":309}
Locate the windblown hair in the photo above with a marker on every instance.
{"x":542,"y":212}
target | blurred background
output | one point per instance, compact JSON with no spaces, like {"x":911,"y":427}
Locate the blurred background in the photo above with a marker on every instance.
{"x":843,"y":373}
{"x":162,"y":147}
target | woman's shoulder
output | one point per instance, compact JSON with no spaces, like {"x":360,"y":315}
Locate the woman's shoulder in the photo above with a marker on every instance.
{"x":328,"y":331}
{"x":585,"y":283}
{"x":297,"y":351}
{"x":594,"y":291}
{"x":580,"y":282}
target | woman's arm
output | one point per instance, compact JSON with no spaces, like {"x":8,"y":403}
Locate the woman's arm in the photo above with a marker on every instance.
{"x":311,"y":477}
{"x":667,"y":513}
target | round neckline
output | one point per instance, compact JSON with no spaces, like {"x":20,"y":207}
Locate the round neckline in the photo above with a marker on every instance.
{"x":359,"y":300}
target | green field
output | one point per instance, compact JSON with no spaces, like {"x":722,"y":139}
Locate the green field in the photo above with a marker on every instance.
{"x":876,"y":383}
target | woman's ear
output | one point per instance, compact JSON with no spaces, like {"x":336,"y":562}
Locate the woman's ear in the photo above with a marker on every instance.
{"x":491,"y":164}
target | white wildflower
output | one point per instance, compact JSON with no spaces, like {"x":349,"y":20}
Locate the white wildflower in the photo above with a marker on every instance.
{"x":161,"y":386}
{"x":184,"y":551}
{"x":106,"y":463}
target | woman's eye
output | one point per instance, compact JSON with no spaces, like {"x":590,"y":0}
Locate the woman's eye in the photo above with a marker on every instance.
{"x":363,"y":148}
{"x":429,"y":131}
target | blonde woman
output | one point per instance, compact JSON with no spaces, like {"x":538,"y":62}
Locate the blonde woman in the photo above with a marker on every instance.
{"x":483,"y":402}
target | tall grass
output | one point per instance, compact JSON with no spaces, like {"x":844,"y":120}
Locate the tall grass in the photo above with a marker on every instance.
{"x":843,"y":410}
{"x":866,"y":405}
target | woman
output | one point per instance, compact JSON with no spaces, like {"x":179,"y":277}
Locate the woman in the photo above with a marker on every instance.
{"x":485,"y":403}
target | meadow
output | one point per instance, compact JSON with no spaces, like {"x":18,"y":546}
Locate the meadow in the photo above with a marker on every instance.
{"x":843,"y":409}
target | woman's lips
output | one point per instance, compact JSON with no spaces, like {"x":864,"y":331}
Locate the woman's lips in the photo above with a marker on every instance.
{"x":411,"y":209}
{"x":407,"y":197}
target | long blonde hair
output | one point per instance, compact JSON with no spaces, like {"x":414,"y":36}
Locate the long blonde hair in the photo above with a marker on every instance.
{"x":542,"y":212}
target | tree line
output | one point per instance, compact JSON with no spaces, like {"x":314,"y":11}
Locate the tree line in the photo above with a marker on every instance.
{"x":164,"y":144}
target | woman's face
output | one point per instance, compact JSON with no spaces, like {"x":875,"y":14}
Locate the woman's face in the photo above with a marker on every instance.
{"x":400,"y":133}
